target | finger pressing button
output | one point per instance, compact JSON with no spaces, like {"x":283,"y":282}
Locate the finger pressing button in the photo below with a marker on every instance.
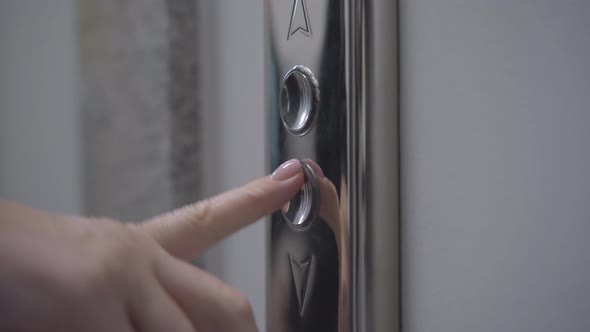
{"x":303,"y":209}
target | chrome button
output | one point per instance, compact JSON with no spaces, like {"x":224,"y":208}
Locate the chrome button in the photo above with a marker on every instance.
{"x":298,"y":100}
{"x":304,"y":208}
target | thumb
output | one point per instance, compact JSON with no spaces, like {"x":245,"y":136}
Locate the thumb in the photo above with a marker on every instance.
{"x":189,"y":230}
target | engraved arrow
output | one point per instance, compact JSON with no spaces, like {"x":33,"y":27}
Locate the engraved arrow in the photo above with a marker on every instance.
{"x":299,"y":19}
{"x":300,"y":272}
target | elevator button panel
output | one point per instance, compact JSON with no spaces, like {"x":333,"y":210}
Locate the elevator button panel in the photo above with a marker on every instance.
{"x":307,"y":105}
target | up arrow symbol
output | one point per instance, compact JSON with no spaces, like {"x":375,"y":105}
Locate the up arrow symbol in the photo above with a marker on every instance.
{"x":299,"y":19}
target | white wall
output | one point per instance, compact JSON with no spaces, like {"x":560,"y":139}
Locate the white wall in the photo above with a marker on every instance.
{"x":39,"y":150}
{"x":232,"y":73}
{"x":495,"y":165}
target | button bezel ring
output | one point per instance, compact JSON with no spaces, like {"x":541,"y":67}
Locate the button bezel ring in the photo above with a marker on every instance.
{"x":299,"y":98}
{"x":307,"y":202}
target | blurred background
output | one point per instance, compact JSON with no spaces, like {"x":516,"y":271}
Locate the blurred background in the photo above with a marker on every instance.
{"x":130,"y":108}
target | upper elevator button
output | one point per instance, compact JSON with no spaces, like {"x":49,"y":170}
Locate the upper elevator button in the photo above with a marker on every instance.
{"x":298,"y":100}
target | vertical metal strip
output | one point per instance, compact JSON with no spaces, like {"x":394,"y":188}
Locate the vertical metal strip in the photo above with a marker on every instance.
{"x":373,"y":164}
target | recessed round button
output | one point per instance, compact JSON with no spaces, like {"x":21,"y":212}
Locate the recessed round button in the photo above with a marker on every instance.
{"x":298,"y":100}
{"x":303,"y":209}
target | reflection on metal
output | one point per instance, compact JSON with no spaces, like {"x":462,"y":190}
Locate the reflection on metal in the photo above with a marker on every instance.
{"x":352,"y":281}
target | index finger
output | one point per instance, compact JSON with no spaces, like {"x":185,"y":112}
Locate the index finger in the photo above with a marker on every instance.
{"x":189,"y":230}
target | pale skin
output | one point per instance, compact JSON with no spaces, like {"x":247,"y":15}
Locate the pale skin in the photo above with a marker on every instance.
{"x":71,"y":273}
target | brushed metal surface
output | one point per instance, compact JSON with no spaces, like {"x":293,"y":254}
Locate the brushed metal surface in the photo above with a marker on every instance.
{"x":342,"y":273}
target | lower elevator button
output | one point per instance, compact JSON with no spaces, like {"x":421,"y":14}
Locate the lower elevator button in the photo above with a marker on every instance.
{"x":304,"y":208}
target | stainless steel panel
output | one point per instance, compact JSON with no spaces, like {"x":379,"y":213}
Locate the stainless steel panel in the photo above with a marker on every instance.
{"x":342,"y":272}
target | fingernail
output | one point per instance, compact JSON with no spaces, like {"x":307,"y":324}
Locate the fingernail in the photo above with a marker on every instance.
{"x":316,"y":168}
{"x":287,"y":170}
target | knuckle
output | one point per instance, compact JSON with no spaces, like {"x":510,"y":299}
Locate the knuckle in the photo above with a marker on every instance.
{"x":253,"y":194}
{"x":332,"y":189}
{"x":86,"y":281}
{"x":106,"y":264}
{"x":242,"y":307}
{"x":198,"y":216}
{"x":201,"y":211}
{"x":121,"y":254}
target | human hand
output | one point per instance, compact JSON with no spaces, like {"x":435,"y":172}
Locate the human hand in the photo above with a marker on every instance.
{"x":64,"y":273}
